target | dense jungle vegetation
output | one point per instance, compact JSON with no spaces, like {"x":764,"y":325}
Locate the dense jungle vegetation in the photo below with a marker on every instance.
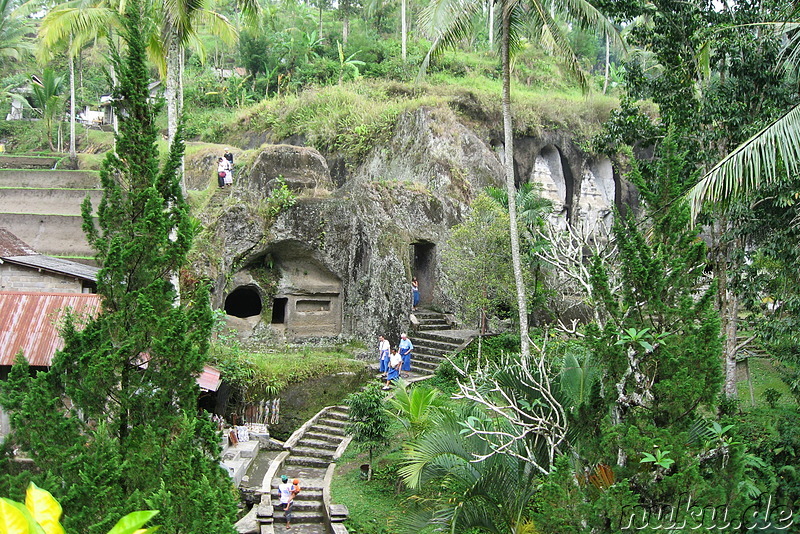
{"x":630,"y":418}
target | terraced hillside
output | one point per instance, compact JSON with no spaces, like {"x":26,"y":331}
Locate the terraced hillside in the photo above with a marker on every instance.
{"x":41,"y":205}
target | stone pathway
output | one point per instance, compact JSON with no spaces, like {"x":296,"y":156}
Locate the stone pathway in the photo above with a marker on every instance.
{"x":433,"y":339}
{"x":320,"y":445}
{"x":323,"y":441}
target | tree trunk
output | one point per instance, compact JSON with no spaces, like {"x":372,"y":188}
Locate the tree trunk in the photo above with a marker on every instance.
{"x":172,"y":95}
{"x":511,"y":188}
{"x":403,"y":30}
{"x":345,"y":29}
{"x":730,"y":323}
{"x":491,"y":24}
{"x":171,"y":89}
{"x":608,"y":65}
{"x":72,"y":152}
{"x":728,"y":305}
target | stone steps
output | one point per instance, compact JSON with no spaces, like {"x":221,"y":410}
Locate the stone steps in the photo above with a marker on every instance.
{"x":452,"y":337}
{"x":298,"y":518}
{"x":331,"y":430}
{"x":433,"y":339}
{"x":306,"y":461}
{"x":331,"y":445}
{"x":321,"y":436}
{"x":313,"y":452}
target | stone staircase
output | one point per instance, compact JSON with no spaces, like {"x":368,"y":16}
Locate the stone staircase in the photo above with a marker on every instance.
{"x":313,"y":449}
{"x":42,"y":205}
{"x":433,"y":339}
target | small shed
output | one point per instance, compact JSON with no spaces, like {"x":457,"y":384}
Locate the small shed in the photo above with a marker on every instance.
{"x":23,"y":269}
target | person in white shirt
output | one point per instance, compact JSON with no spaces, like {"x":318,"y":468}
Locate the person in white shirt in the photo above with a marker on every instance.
{"x":395,"y":361}
{"x":383,"y":354}
{"x":286,"y":491}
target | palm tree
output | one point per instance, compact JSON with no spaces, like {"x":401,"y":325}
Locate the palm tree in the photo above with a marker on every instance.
{"x":13,"y":27}
{"x":490,"y":494}
{"x":415,"y":407}
{"x":752,"y":164}
{"x":449,"y":22}
{"x":756,"y":161}
{"x":173,"y":26}
{"x":47,"y":92}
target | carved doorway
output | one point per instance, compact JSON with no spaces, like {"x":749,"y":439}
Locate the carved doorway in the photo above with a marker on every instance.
{"x":423,"y":267}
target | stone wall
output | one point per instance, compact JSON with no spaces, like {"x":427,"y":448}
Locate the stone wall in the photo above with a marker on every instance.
{"x":19,"y":278}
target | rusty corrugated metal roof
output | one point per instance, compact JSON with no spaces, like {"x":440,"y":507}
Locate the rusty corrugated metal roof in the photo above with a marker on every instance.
{"x":11,"y":245}
{"x":30,"y":322}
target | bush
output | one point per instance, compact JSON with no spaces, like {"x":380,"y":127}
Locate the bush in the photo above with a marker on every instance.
{"x":493,"y":347}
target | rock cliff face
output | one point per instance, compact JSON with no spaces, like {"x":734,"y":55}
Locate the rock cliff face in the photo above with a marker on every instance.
{"x":339,"y":262}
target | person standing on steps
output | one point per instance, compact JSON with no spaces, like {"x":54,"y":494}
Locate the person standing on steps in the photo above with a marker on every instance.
{"x":405,"y":353}
{"x":383,"y":355}
{"x":228,"y":155}
{"x":414,"y":293}
{"x":287,"y":499}
{"x":395,"y":361}
{"x":222,"y":165}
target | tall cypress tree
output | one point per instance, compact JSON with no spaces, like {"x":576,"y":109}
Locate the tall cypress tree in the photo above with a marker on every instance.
{"x":113,"y":425}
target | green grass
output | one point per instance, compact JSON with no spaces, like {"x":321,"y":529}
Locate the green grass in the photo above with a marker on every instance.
{"x":374,"y":506}
{"x":765,"y":374}
{"x":280,"y":368}
{"x":353,"y":118}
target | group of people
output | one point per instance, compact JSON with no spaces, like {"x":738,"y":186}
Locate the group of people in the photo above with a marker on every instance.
{"x":394,"y":362}
{"x":225,"y":169}
{"x":288,"y":491}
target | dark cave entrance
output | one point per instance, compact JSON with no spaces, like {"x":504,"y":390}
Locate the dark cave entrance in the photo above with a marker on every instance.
{"x":243,"y":302}
{"x":423,"y":263}
{"x":279,"y":310}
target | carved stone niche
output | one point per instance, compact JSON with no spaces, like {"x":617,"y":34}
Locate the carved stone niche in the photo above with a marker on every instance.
{"x":307,"y":301}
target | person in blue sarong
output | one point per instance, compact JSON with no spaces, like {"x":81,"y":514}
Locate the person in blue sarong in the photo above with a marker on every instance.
{"x":383,"y":355}
{"x":414,"y":294}
{"x":405,"y":353}
{"x":395,"y":361}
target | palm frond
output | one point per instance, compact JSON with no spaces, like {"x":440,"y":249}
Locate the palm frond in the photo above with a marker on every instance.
{"x":84,"y":24}
{"x":446,"y":22}
{"x":218,"y":25}
{"x":553,"y":33}
{"x":754,"y":162}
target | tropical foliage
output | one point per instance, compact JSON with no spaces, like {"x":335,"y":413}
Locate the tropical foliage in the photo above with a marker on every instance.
{"x":41,"y":514}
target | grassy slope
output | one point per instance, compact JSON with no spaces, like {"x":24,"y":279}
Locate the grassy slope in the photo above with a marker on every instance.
{"x":355,"y":117}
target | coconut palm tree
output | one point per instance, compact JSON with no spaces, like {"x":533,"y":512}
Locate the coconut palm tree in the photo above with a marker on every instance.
{"x":172,"y":25}
{"x":752,"y":164}
{"x":416,"y":407}
{"x":47,"y":91}
{"x":13,"y":27}
{"x":448,"y":21}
